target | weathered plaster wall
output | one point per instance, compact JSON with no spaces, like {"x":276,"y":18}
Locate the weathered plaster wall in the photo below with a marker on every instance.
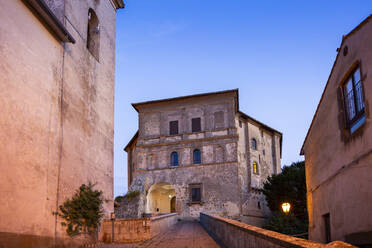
{"x":56,"y":126}
{"x":338,"y":171}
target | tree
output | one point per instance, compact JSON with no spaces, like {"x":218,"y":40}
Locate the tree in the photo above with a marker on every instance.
{"x":83,"y":212}
{"x":288,"y":186}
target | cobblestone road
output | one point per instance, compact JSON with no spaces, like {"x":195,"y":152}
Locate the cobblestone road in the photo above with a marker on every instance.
{"x":185,"y":234}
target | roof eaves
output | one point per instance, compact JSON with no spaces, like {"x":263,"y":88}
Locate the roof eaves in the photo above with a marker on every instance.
{"x":135,"y":105}
{"x":320,"y":101}
{"x":119,"y":4}
{"x":260,"y":123}
{"x":133,"y":139}
{"x":359,"y":26}
{"x":302,"y":152}
{"x":48,"y":18}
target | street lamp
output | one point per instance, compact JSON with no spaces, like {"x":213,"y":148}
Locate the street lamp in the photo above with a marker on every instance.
{"x":286,"y":207}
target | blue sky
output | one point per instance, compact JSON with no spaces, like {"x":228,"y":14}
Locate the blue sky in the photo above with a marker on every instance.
{"x":278,"y":53}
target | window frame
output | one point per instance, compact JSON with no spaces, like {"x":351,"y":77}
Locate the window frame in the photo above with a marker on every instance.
{"x":359,"y":117}
{"x":170,"y":127}
{"x":93,"y":34}
{"x":192,"y":125}
{"x":172,"y":162}
{"x":254,"y":147}
{"x":193,"y":156}
{"x":255,"y":168}
{"x":195,"y":186}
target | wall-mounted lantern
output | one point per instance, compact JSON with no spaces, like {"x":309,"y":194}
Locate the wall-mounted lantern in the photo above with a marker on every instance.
{"x":286,"y":207}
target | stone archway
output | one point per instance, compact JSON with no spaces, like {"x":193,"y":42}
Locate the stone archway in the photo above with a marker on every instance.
{"x":159,"y":199}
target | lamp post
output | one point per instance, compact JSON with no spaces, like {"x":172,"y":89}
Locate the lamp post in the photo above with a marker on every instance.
{"x":286,"y":207}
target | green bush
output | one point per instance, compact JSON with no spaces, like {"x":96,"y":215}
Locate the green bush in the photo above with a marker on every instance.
{"x":288,"y":186}
{"x":83,"y":212}
{"x":132,"y":194}
{"x":286,"y":224}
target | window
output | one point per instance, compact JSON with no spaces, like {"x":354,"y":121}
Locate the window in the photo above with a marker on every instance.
{"x":240,"y":123}
{"x":174,"y":159}
{"x":354,"y":102}
{"x":197,"y":156}
{"x":195,"y":193}
{"x":173,"y":127}
{"x":255,"y":167}
{"x":195,"y":125}
{"x":93,"y":34}
{"x":327,"y":227}
{"x":254,"y":144}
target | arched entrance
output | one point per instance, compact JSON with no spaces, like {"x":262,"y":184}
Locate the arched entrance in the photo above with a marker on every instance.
{"x":173,"y":204}
{"x":159,"y":199}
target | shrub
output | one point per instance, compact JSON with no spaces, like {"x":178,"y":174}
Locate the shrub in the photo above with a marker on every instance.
{"x":83,"y":212}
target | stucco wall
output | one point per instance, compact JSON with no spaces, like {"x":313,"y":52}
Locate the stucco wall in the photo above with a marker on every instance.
{"x":337,"y":169}
{"x":57,"y":118}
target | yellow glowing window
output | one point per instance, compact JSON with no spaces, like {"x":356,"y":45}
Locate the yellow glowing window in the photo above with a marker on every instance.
{"x":255,"y":168}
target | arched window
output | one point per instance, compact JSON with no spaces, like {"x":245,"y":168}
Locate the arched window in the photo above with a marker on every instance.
{"x":197,"y":156}
{"x":254,"y":144}
{"x":93,"y":34}
{"x":174,"y":159}
{"x":255,"y":167}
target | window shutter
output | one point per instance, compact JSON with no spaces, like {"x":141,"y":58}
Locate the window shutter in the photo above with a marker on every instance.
{"x":196,"y":125}
{"x":173,"y":127}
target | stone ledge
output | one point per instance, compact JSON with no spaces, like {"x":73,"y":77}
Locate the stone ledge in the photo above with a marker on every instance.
{"x":258,"y":235}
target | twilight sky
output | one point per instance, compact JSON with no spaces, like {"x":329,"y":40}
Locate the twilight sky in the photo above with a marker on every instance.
{"x":278,"y":53}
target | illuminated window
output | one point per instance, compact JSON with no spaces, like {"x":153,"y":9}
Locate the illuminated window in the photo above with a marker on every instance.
{"x":174,"y":159}
{"x":255,"y":167}
{"x":354,"y":101}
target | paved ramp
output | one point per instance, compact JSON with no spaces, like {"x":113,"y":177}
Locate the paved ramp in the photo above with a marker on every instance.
{"x":185,"y":234}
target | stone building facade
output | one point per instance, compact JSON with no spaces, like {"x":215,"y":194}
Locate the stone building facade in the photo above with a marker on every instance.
{"x":338,"y":147}
{"x":200,"y":153}
{"x":56,"y":122}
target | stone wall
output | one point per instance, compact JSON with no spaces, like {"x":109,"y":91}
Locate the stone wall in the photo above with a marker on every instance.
{"x":136,"y":230}
{"x":225,"y":171}
{"x":235,"y":234}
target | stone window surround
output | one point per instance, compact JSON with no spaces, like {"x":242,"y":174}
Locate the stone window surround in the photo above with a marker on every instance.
{"x":178,"y":158}
{"x":192,"y":186}
{"x":193,"y":155}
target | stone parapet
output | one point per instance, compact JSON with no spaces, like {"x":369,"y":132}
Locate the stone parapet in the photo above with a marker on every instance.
{"x":136,"y":230}
{"x":232,"y":233}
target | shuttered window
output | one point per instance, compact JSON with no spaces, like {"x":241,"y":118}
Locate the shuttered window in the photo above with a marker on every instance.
{"x":173,"y":127}
{"x":195,"y":125}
